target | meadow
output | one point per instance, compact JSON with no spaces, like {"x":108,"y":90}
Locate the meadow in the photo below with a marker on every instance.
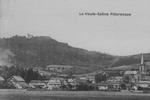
{"x":70,"y":95}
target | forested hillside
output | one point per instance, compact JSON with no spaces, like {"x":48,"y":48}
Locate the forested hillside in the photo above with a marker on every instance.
{"x":40,"y":51}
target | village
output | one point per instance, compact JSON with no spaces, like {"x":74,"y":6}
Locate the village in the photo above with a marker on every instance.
{"x":137,"y":80}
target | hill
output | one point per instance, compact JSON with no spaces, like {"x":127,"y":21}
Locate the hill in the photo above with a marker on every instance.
{"x":40,"y":51}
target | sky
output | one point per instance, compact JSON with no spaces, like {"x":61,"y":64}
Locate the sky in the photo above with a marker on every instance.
{"x":60,"y":19}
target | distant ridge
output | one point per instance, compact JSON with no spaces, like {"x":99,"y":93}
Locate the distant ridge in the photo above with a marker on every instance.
{"x":41,"y":51}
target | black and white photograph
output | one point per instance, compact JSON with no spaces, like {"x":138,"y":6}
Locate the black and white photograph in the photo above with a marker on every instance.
{"x":74,"y":49}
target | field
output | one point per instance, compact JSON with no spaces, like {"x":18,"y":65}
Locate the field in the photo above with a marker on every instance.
{"x":70,"y":95}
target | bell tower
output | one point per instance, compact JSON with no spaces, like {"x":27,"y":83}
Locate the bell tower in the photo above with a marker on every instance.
{"x":142,"y":67}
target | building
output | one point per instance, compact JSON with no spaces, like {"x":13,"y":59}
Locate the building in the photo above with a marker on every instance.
{"x":54,"y":83}
{"x":58,"y":68}
{"x":142,"y":69}
{"x":17,"y":82}
{"x":91,"y":79}
{"x":144,"y":84}
{"x":71,"y":83}
{"x":1,"y":80}
{"x":38,"y":84}
{"x":109,"y":86}
{"x":112,"y":84}
{"x":117,"y":79}
{"x":102,"y":86}
{"x":86,"y":78}
{"x":144,"y":77}
{"x":132,"y":76}
{"x":138,"y":78}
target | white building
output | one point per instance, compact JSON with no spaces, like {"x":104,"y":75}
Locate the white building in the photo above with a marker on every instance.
{"x":37,"y":84}
{"x":54,"y":83}
{"x":58,"y":68}
{"x":18,"y":82}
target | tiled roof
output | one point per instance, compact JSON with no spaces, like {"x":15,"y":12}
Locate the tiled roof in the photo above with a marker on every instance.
{"x":18,"y":78}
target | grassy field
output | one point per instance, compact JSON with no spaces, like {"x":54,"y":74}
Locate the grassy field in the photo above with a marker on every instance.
{"x":70,"y":95}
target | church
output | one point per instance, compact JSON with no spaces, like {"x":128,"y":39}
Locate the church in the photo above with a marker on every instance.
{"x":143,"y":75}
{"x":140,"y":77}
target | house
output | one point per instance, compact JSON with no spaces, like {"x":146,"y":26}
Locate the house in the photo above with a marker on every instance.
{"x":54,"y":83}
{"x":86,"y":78}
{"x":81,"y":79}
{"x":102,"y":86}
{"x":143,"y":84}
{"x":132,"y":76}
{"x":91,"y":79}
{"x":112,"y":84}
{"x":109,"y":86}
{"x":18,"y":82}
{"x":117,"y":79}
{"x":71,"y":83}
{"x":38,"y":84}
{"x":1,"y":80}
{"x":58,"y":68}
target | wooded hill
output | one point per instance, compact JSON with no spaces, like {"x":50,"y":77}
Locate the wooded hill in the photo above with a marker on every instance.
{"x":40,"y":51}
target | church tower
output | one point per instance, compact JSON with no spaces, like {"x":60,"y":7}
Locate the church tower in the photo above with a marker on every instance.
{"x":142,"y":67}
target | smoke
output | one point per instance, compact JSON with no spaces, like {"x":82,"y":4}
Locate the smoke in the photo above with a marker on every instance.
{"x":5,"y":57}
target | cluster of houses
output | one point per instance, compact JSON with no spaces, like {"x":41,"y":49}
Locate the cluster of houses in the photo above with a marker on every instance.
{"x":130,"y":80}
{"x":55,"y":80}
{"x":138,"y":79}
{"x":54,"y":83}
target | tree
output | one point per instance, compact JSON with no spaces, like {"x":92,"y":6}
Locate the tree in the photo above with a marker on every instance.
{"x":26,"y":74}
{"x":123,"y":86}
{"x":30,"y":74}
{"x":100,"y":77}
{"x":126,"y":79}
{"x":85,"y":87}
{"x":71,"y":73}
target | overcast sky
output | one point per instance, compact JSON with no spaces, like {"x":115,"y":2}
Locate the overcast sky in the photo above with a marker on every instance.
{"x":60,"y":19}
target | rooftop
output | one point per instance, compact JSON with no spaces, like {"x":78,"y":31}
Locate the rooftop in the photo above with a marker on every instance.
{"x":59,"y":66}
{"x":130,"y":72}
{"x":18,"y":78}
{"x":1,"y":78}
